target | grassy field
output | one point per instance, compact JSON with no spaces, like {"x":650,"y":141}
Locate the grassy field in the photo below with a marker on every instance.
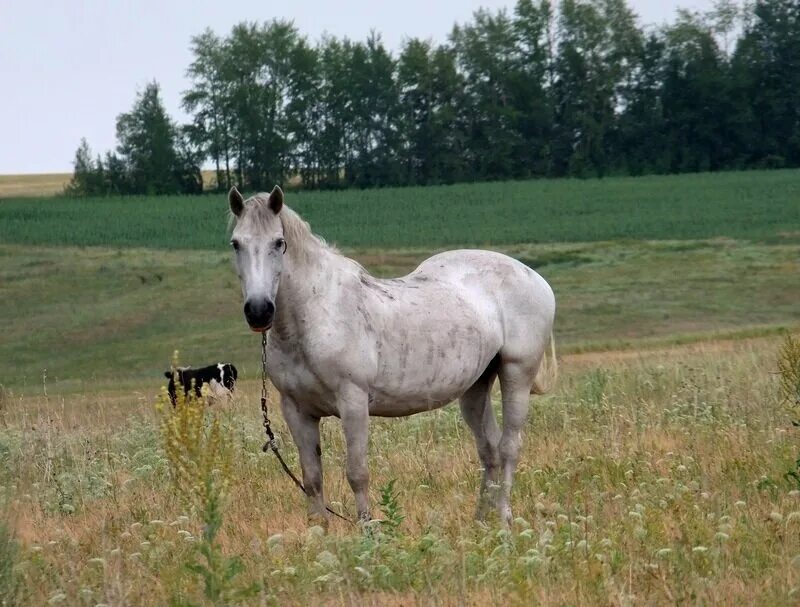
{"x":98,"y":314}
{"x":750,"y":205}
{"x":655,"y":478}
{"x":656,"y":473}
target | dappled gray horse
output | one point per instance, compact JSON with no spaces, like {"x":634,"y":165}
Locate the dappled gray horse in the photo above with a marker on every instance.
{"x":342,"y":342}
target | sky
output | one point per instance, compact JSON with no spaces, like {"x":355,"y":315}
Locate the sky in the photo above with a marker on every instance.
{"x":68,"y":68}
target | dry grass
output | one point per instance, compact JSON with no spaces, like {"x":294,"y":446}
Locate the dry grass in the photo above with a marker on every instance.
{"x":652,"y":478}
{"x":31,"y":185}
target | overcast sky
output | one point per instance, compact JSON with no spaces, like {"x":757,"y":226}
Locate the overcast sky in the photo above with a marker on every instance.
{"x":68,"y":68}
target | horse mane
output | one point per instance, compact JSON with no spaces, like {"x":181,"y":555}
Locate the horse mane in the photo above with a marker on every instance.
{"x":304,"y":243}
{"x":296,"y":230}
{"x":309,"y":245}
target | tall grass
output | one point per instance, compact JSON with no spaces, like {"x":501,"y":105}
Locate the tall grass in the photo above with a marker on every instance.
{"x":197,"y":444}
{"x":789,"y":373}
{"x":9,"y":583}
{"x":645,"y":479}
{"x":750,"y":205}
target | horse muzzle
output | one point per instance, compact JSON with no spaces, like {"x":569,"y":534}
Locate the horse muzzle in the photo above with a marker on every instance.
{"x":259,"y":314}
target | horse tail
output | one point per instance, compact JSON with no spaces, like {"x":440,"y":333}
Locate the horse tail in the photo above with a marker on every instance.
{"x":547,"y":374}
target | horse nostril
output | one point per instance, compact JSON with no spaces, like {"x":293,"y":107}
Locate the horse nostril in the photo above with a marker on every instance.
{"x":259,"y":313}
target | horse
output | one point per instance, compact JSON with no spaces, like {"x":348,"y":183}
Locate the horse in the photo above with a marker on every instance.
{"x":343,"y":343}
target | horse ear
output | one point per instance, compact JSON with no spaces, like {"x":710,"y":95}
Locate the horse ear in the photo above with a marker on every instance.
{"x":276,"y":199}
{"x":236,"y":201}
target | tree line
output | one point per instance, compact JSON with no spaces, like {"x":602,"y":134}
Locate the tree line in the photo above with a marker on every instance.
{"x":574,"y":89}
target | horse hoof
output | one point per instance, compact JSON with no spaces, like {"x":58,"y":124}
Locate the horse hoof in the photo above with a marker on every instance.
{"x":319,"y":520}
{"x":506,"y":517}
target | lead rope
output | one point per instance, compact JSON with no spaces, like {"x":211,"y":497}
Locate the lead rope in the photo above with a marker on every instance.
{"x":272,"y":444}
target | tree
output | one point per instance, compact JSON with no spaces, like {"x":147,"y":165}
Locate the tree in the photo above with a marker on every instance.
{"x":532,"y":86}
{"x":415,"y":81}
{"x":304,"y":114}
{"x":153,"y":156}
{"x":260,"y":64}
{"x":486,"y":56}
{"x":723,"y":19}
{"x":116,"y":179}
{"x":373,"y":101}
{"x":638,"y":140}
{"x":188,"y":158}
{"x":581,"y":90}
{"x":433,"y":138}
{"x":87,"y":177}
{"x":695,"y":98}
{"x":332,"y":146}
{"x":207,"y":101}
{"x":146,"y":142}
{"x":767,"y":68}
{"x":599,"y":43}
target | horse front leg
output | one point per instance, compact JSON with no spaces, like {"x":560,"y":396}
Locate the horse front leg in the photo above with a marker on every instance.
{"x":305,"y":432}
{"x":353,"y":406}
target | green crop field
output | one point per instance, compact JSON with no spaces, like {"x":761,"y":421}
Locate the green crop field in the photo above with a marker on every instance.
{"x":750,"y":205}
{"x":658,"y":472}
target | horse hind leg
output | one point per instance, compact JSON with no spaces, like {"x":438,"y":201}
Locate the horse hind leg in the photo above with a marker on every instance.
{"x":516,"y":380}
{"x":476,"y":408}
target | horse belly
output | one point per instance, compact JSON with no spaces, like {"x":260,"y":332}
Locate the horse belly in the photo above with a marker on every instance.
{"x":421,"y":373}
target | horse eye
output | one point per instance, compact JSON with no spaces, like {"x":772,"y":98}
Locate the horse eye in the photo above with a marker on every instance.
{"x":280,"y":243}
{"x":235,"y":245}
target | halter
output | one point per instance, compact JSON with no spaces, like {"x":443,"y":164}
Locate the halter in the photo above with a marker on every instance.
{"x":272,"y":443}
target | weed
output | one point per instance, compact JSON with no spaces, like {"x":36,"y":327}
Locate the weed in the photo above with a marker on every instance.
{"x":199,"y":456}
{"x":5,"y":399}
{"x":218,"y":572}
{"x":789,"y":371}
{"x":390,"y":506}
{"x":9,"y":584}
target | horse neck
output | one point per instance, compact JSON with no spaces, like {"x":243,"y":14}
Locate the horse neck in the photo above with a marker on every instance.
{"x":307,"y":274}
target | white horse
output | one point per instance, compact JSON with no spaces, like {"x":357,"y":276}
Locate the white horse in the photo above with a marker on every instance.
{"x":342,"y":342}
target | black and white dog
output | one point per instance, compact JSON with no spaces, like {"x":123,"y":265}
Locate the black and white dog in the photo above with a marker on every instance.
{"x":221,"y":378}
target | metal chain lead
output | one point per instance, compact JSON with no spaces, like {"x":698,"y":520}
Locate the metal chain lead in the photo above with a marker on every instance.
{"x":272,"y":444}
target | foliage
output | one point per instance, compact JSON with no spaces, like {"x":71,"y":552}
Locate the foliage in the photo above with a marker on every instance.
{"x":194,"y":444}
{"x":571,"y":88}
{"x":87,"y":178}
{"x":153,"y":156}
{"x":199,"y":457}
{"x":218,"y":572}
{"x":390,"y":507}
